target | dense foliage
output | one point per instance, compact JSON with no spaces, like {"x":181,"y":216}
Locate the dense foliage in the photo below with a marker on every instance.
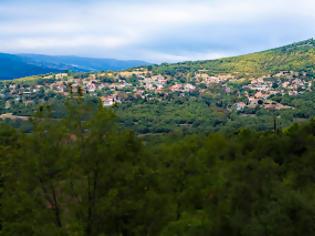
{"x":86,"y":175}
{"x":207,"y":114}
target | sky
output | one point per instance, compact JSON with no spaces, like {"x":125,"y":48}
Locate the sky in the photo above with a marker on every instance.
{"x":153,"y":30}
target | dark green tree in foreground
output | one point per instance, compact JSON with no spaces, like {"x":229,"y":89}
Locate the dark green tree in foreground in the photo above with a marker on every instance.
{"x":86,"y":175}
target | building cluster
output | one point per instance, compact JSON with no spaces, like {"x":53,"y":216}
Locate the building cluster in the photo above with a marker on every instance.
{"x":117,"y":87}
{"x":260,"y":91}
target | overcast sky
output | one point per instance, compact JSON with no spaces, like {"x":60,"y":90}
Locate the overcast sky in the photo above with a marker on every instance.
{"x":153,"y":30}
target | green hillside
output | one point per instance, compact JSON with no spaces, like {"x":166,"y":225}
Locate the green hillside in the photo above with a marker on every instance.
{"x":298,"y":56}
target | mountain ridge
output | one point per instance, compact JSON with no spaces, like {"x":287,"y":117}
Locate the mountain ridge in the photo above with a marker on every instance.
{"x":13,"y":66}
{"x":296,"y":57}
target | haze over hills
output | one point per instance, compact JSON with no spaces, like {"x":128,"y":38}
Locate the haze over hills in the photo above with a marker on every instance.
{"x":21,"y":65}
{"x":296,"y":56}
{"x":12,"y":66}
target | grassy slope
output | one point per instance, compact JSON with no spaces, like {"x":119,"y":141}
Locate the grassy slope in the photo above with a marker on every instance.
{"x":298,"y":56}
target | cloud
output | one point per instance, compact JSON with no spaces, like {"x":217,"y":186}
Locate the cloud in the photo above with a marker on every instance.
{"x":157,"y":30}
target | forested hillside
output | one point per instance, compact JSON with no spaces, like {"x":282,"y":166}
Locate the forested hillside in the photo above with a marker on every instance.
{"x":86,"y":175}
{"x":295,"y":57}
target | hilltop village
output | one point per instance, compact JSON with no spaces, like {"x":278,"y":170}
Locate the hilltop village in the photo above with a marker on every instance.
{"x":141,"y":84}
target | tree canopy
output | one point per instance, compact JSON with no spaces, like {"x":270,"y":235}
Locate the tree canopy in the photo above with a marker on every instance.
{"x":85,"y":174}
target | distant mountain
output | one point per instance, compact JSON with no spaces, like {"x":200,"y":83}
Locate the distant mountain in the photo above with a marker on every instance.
{"x":12,"y":66}
{"x":298,"y":56}
{"x":21,"y":65}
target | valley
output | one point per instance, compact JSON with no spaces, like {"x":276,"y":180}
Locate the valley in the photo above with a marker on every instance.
{"x":186,"y":96}
{"x":157,"y":118}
